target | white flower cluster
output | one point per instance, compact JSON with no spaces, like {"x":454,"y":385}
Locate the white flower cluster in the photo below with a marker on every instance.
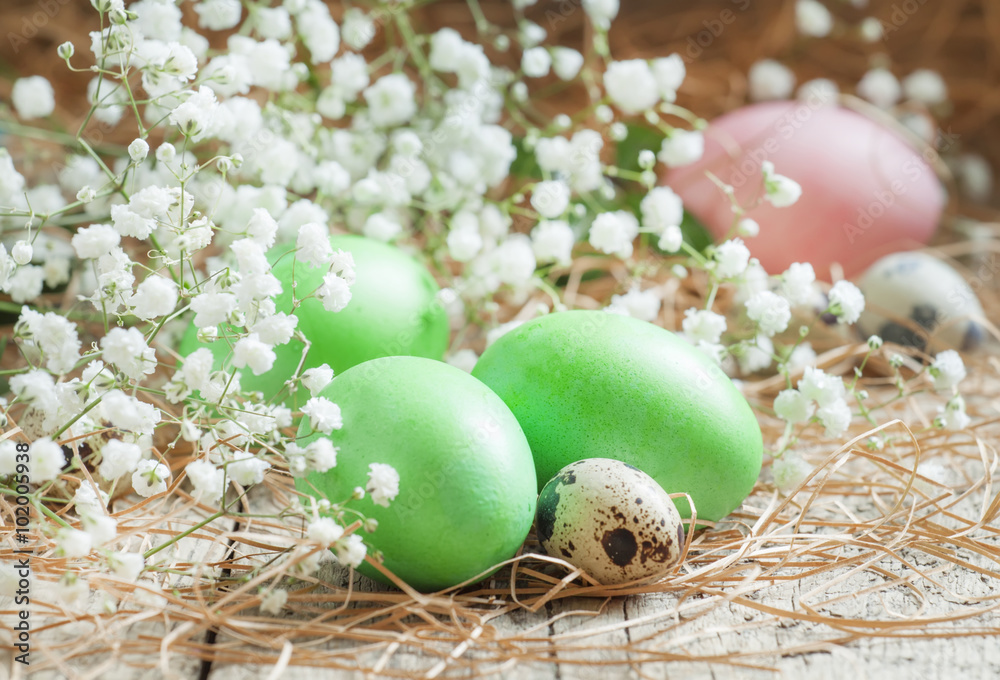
{"x":819,"y":394}
{"x":261,"y":149}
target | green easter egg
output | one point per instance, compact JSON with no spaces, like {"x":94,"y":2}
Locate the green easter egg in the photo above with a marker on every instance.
{"x":467,"y":484}
{"x":393,"y":311}
{"x":588,"y":384}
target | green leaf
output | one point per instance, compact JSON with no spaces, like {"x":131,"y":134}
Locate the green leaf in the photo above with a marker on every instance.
{"x":639,"y":137}
{"x":695,"y":233}
{"x":525,"y":165}
{"x":589,"y":275}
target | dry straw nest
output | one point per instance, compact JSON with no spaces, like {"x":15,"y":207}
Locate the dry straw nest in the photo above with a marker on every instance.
{"x":865,"y":548}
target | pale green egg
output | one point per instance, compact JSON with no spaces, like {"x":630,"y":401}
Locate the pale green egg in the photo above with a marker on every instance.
{"x":588,"y":384}
{"x":393,"y":311}
{"x":467,"y":484}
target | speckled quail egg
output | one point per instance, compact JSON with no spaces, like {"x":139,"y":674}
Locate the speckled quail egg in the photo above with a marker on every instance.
{"x":915,"y":299}
{"x":610,"y":519}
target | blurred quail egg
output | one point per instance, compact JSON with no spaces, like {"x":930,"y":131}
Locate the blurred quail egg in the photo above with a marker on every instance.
{"x":913,"y":299}
{"x":610,"y":519}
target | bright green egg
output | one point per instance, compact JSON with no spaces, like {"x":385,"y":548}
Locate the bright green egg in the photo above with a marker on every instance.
{"x":393,"y":311}
{"x":588,"y":384}
{"x":467,"y":481}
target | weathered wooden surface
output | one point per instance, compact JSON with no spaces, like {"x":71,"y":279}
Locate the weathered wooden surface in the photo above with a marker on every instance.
{"x":732,"y":633}
{"x":86,"y":644}
{"x":630,"y":637}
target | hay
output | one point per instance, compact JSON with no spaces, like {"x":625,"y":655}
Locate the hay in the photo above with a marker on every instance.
{"x":865,"y":548}
{"x":915,"y":535}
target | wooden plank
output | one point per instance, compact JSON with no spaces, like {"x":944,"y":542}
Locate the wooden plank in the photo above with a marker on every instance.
{"x":76,"y":648}
{"x":642,"y":636}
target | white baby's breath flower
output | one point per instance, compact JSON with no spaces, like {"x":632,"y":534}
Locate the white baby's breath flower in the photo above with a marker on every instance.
{"x":747,"y":227}
{"x":315,"y":379}
{"x":812,"y":18}
{"x":321,"y":455}
{"x":319,"y":32}
{"x":925,"y":86}
{"x":821,"y":387}
{"x":835,"y":416}
{"x":382,"y":227}
{"x":702,"y":325}
{"x":118,"y":458}
{"x":46,"y":460}
{"x":33,"y":97}
{"x":682,"y":147}
{"x":671,"y":239}
{"x":789,"y":471}
{"x":138,"y":150}
{"x":780,"y":191}
{"x":21,"y":253}
{"x":358,"y":29}
{"x":802,"y":356}
{"x":880,"y":87}
{"x":391,"y":100}
{"x":351,"y":550}
{"x":73,"y":543}
{"x":566,"y":62}
{"x":250,"y":351}
{"x":464,"y":359}
{"x":661,"y":208}
{"x":754,"y":356}
{"x":601,"y":12}
{"x":669,"y":73}
{"x":770,"y":311}
{"x":313,"y":245}
{"x":846,"y":302}
{"x":952,"y":416}
{"x":128,"y":413}
{"x":631,"y":86}
{"x":275,"y":600}
{"x":86,"y":195}
{"x":383,"y":483}
{"x":102,"y":528}
{"x":793,"y":407}
{"x":552,"y":241}
{"x":731,"y":258}
{"x":637,"y":303}
{"x":513,"y":261}
{"x":550,"y":198}
{"x":195,"y":116}
{"x":324,"y":531}
{"x":334,"y":293}
{"x":127,"y":349}
{"x":947,"y":370}
{"x":207,"y":479}
{"x":127,"y":565}
{"x":770,"y":79}
{"x":818,"y":91}
{"x":613,"y":232}
{"x":150,"y":478}
{"x":324,"y":415}
{"x":86,"y":498}
{"x":247,"y":469}
{"x":536,"y":62}
{"x":156,"y":296}
{"x":797,"y":283}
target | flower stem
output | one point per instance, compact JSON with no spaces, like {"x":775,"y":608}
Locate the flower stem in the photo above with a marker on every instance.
{"x":187,"y":532}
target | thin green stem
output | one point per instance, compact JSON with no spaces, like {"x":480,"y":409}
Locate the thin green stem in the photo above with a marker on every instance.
{"x":187,"y":532}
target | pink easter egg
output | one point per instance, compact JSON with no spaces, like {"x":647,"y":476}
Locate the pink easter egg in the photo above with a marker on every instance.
{"x":865,"y":191}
